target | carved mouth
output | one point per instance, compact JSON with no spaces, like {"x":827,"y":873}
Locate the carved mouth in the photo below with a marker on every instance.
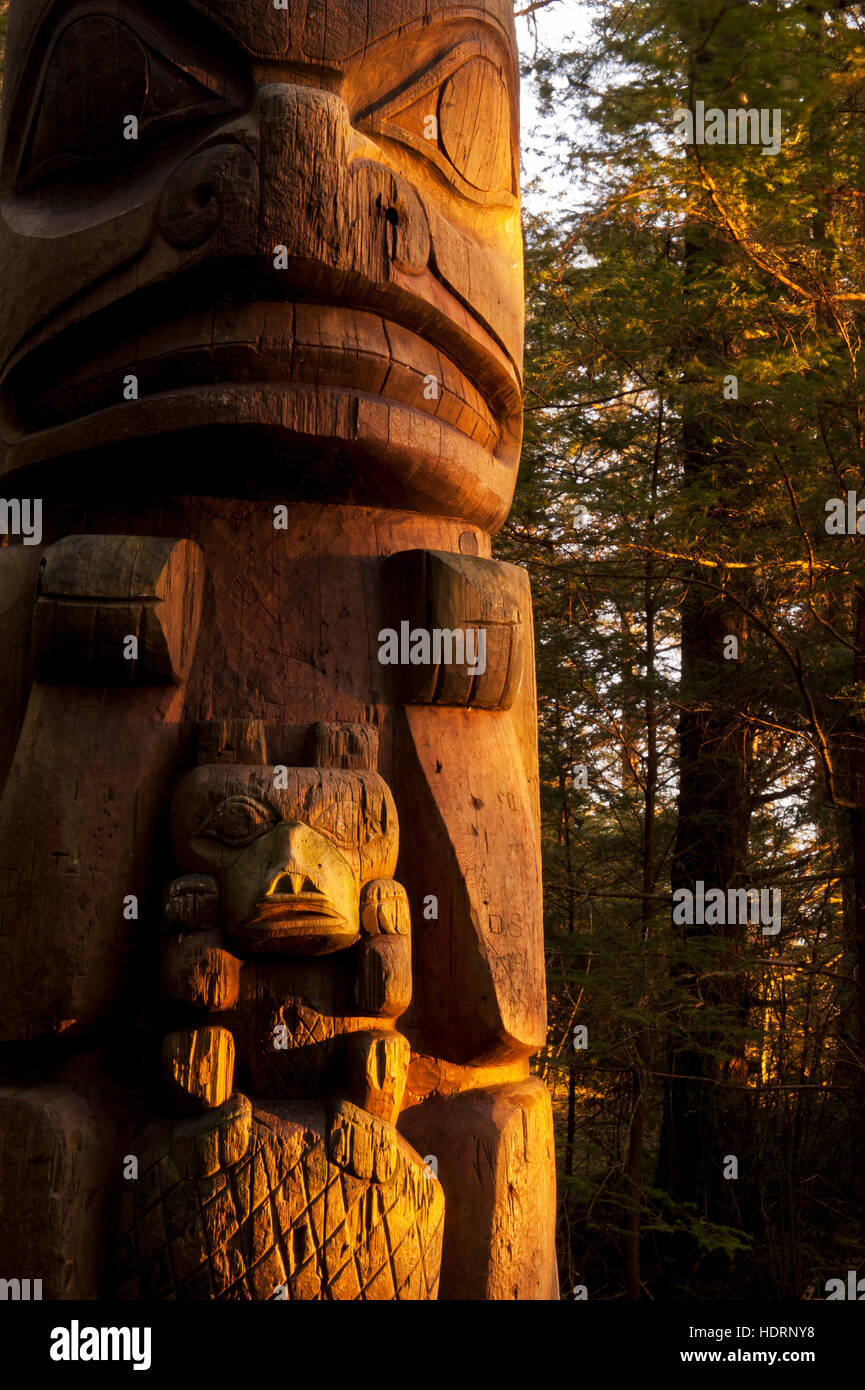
{"x":311,"y":345}
{"x":295,"y":924}
{"x":349,"y":391}
{"x":314,"y":907}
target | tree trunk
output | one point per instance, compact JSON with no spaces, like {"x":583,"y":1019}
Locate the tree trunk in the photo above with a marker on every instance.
{"x":712,"y":832}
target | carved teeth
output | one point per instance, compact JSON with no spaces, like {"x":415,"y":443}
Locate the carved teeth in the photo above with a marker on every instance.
{"x":294,"y":886}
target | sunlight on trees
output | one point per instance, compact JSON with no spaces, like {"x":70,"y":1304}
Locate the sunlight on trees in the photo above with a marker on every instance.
{"x":693,"y":362}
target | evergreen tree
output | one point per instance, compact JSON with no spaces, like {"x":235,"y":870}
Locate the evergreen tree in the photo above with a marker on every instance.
{"x":693,"y":358}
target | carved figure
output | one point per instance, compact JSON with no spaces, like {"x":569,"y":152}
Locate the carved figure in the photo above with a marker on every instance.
{"x":287,"y":866}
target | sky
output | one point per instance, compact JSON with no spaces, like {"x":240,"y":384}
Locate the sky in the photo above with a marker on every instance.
{"x":555,"y":24}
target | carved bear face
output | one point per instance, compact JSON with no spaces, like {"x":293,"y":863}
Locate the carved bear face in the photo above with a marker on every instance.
{"x":291,"y":850}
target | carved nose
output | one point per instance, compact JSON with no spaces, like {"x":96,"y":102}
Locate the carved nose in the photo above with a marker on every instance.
{"x":324,"y":194}
{"x":315,"y":187}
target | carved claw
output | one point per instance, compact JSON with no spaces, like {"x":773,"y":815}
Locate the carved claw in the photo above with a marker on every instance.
{"x":196,"y":967}
{"x":198,"y":970}
{"x":191,"y":903}
{"x":198,"y":1064}
{"x":361,"y":1143}
{"x":377,"y":1070}
{"x":203,"y":1145}
{"x":384,"y":908}
{"x":382,"y":984}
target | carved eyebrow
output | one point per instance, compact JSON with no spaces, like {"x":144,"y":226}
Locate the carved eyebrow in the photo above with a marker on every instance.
{"x":227,"y":78}
{"x":482,"y":41}
{"x":431,"y":76}
{"x":422,"y":19}
{"x":425,"y":24}
{"x":237,"y":798}
{"x":158,"y":25}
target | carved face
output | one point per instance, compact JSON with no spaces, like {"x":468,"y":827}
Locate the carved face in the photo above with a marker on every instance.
{"x":156,"y":155}
{"x":290,"y":848}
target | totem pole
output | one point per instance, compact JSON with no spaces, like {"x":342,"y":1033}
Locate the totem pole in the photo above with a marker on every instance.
{"x":271,"y":960}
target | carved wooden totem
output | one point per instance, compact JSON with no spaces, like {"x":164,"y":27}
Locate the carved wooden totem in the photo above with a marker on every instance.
{"x":271,"y":959}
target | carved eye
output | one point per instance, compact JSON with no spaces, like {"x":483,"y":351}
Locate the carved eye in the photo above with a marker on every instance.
{"x":341,"y":823}
{"x":459,"y":116}
{"x":237,"y":821}
{"x":98,"y":75}
{"x":474,"y":125}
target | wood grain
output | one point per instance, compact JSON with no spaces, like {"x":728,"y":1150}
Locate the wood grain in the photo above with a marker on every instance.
{"x":263,"y":366}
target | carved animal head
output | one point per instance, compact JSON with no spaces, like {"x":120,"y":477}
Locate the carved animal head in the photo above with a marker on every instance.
{"x":297,"y":222}
{"x":291,"y":849}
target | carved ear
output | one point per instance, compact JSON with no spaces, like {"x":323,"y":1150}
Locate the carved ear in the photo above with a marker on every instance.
{"x":232,"y":741}
{"x":456,"y":628}
{"x":253,"y":743}
{"x":352,"y":746}
{"x":118,"y":610}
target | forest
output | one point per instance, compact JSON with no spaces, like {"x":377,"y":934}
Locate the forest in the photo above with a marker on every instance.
{"x":690,"y":503}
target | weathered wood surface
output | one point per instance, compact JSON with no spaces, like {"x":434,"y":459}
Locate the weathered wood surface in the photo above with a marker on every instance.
{"x":260,"y":358}
{"x":286,"y":1201}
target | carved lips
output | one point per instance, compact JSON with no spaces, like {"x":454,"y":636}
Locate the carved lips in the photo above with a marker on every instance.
{"x":289,"y":345}
{"x":300,"y":924}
